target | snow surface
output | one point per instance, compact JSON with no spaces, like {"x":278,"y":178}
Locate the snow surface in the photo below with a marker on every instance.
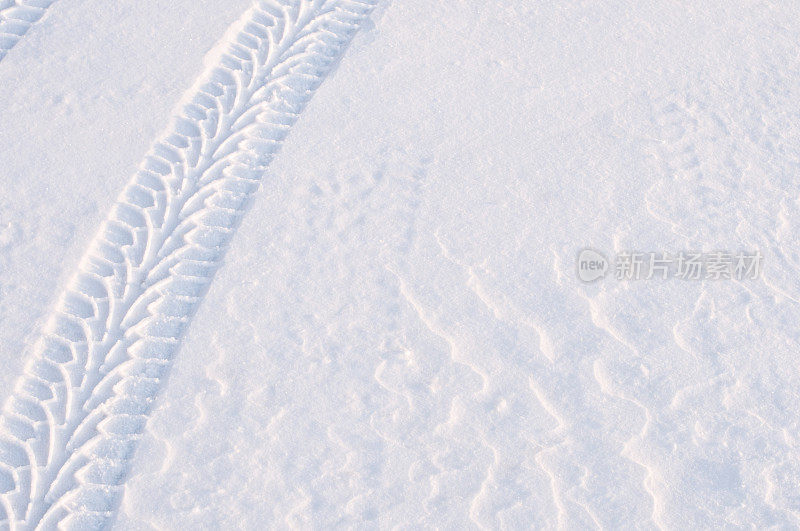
{"x":397,"y":336}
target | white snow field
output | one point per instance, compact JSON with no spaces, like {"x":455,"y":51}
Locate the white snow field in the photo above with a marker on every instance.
{"x":318,"y":264}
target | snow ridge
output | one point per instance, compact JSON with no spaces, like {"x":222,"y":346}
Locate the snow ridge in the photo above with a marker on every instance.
{"x":71,"y":426}
{"x":16,"y":18}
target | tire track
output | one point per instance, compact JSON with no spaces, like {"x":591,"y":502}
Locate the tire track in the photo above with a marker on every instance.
{"x":71,"y":426}
{"x":16,"y":18}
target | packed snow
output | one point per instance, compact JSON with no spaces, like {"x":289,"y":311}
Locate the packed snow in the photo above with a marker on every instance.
{"x":318,"y":264}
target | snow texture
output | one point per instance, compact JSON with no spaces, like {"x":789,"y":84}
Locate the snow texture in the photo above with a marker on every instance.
{"x":339,"y":290}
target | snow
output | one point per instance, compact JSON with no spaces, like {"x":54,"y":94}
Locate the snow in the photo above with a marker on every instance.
{"x":397,"y":335}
